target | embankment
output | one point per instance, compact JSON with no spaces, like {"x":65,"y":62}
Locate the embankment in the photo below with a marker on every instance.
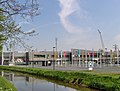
{"x":5,"y":85}
{"x":106,"y":82}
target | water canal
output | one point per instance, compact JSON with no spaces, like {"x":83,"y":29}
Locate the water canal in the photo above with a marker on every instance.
{"x":25,"y":82}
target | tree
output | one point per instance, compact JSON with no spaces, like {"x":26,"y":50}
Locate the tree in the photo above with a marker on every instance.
{"x":24,"y":8}
{"x":9,"y":30}
{"x":2,"y":38}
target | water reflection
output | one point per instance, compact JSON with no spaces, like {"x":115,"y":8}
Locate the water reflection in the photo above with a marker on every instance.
{"x":28,"y":83}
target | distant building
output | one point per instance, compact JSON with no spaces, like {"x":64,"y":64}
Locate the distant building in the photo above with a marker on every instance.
{"x":73,"y":57}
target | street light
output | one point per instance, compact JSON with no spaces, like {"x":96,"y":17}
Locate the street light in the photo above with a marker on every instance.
{"x":53,"y":58}
{"x":32,"y":59}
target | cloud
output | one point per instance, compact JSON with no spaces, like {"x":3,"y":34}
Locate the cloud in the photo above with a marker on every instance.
{"x":80,"y":25}
{"x":76,"y":22}
{"x":68,"y":9}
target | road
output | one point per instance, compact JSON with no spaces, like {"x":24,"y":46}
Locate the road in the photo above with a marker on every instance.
{"x":102,"y":69}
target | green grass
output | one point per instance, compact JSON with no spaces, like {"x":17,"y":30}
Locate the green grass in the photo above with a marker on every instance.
{"x":92,"y":79}
{"x":5,"y":85}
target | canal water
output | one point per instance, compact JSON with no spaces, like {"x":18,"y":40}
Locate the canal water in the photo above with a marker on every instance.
{"x":29,"y":83}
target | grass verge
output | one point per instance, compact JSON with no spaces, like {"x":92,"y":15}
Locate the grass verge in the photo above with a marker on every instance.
{"x":5,"y":85}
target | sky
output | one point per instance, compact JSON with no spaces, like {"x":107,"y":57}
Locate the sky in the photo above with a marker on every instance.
{"x":75,"y":24}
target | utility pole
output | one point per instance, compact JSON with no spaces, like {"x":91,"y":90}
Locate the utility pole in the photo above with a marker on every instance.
{"x":56,"y":54}
{"x":56,"y":45}
{"x":32,"y":58}
{"x":54,"y":57}
{"x":116,"y":51}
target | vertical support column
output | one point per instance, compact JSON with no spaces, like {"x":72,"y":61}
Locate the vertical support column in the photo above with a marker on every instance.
{"x":56,"y":54}
{"x":2,"y":57}
{"x":79,"y":58}
{"x":61,"y":57}
{"x":118,"y":57}
{"x":32,"y":59}
{"x":54,"y":58}
{"x":83,"y":58}
{"x":86,"y":58}
{"x":100,"y":59}
{"x":73,"y":59}
{"x":13,"y":58}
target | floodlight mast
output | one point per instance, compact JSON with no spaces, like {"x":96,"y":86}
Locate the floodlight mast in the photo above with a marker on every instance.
{"x":102,"y":43}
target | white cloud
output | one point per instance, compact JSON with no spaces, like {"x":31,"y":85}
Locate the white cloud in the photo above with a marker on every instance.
{"x":79,"y":36}
{"x":68,"y":7}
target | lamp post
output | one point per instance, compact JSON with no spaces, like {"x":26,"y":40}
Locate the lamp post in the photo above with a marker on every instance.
{"x":53,"y":58}
{"x":32,"y":59}
{"x":118,"y":57}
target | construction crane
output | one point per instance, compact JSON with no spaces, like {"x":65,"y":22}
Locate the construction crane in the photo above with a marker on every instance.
{"x":103,"y":47}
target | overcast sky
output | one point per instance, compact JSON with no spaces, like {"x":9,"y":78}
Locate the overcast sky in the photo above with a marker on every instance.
{"x":75,"y":23}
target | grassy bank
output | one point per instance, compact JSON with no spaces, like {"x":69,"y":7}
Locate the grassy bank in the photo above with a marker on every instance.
{"x":6,"y":85}
{"x":106,"y":82}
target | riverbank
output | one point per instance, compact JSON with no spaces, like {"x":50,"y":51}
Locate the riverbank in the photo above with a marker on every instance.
{"x":6,"y":85}
{"x":101,"y":81}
